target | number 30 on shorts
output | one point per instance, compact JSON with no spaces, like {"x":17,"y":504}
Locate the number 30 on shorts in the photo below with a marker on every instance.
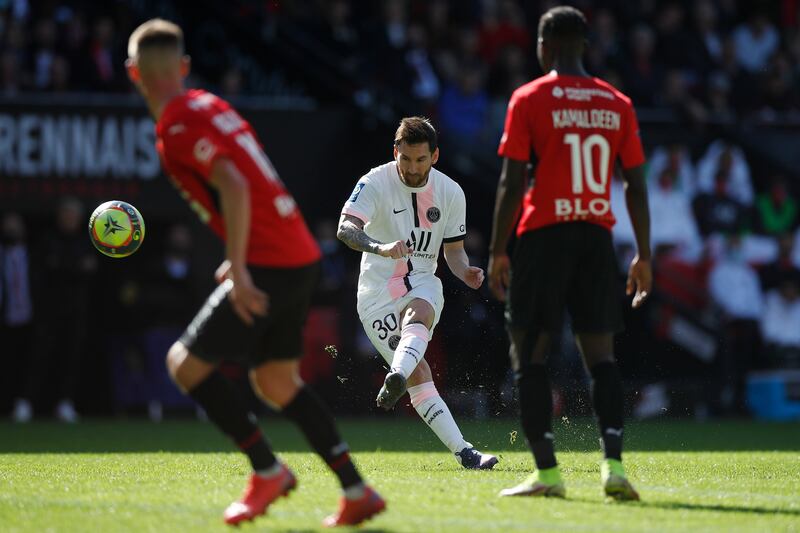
{"x":385,"y":326}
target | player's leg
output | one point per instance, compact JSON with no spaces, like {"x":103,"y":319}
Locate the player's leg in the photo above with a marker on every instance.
{"x":416,"y":321}
{"x":223,"y":404}
{"x":540,"y":272}
{"x":609,"y":407}
{"x":217,"y":333}
{"x":594,"y":304}
{"x":382,"y":327}
{"x":279,"y":384}
{"x":434,"y":412}
{"x":529,"y":352}
{"x":276,"y":379}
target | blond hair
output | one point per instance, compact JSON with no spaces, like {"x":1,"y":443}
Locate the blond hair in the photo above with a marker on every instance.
{"x":155,"y":32}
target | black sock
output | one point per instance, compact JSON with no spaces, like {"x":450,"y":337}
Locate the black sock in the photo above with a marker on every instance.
{"x":312,"y":417}
{"x":536,"y":413}
{"x":609,"y":406}
{"x":226,"y":409}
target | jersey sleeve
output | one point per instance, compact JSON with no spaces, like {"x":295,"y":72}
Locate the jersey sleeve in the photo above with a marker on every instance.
{"x":456,"y":227}
{"x":631,"y":152}
{"x":363,"y":200}
{"x":516,"y":140}
{"x":193,"y":142}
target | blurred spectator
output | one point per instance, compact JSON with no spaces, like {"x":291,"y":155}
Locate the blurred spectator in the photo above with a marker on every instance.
{"x":718,"y":211}
{"x":756,"y":40}
{"x":642,"y":74}
{"x":339,"y":34}
{"x":503,"y":26}
{"x":674,"y":158}
{"x":776,"y":208}
{"x":735,"y":290}
{"x":718,"y":97}
{"x":725,"y":163}
{"x":778,"y":91}
{"x":606,"y":46}
{"x":45,"y":53}
{"x":232,"y":83}
{"x":10,"y":82}
{"x":16,"y":303}
{"x":156,"y":300}
{"x":464,"y":106}
{"x":106,"y":62}
{"x":425,"y":84}
{"x":783,"y":268}
{"x":671,"y":49}
{"x":67,"y":263}
{"x":780,"y":325}
{"x":705,"y":44}
{"x":672,"y":223}
{"x":677,"y":96}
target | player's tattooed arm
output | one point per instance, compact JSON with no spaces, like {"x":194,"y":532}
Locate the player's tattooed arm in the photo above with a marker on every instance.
{"x":351,"y":232}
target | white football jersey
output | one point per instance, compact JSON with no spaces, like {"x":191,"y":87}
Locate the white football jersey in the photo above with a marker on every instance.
{"x":424,"y":217}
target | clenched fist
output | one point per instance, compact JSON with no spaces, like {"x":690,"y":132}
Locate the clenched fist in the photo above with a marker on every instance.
{"x":395,"y":250}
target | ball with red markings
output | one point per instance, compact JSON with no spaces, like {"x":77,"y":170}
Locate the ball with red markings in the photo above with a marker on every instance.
{"x":116,"y":228}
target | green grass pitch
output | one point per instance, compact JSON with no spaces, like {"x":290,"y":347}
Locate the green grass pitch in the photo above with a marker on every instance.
{"x":178,"y":476}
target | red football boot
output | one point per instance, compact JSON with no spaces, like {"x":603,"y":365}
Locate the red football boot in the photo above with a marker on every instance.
{"x":352,"y":512}
{"x":259,"y":494}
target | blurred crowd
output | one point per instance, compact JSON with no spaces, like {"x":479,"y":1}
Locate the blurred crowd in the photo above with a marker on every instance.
{"x":725,"y":232}
{"x":708,"y":60}
{"x":725,"y":255}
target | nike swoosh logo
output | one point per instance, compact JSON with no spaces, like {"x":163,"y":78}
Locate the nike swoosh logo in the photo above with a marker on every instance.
{"x":396,"y":211}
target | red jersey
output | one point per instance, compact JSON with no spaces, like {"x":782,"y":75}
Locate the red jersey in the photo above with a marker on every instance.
{"x":195,"y":129}
{"x":577,"y":127}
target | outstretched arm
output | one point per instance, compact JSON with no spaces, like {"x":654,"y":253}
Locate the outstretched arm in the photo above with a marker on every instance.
{"x":458,"y":261}
{"x":234,"y":193}
{"x":351,"y":232}
{"x":510,"y":190}
{"x":640,"y":274}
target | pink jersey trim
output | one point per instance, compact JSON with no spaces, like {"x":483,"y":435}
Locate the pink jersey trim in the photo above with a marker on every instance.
{"x":356,"y":213}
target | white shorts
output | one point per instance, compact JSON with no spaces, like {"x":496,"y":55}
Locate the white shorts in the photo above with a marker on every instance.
{"x":380,"y":315}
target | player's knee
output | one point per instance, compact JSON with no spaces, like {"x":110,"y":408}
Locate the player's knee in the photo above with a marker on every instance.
{"x":422,"y":313}
{"x":277,"y":384}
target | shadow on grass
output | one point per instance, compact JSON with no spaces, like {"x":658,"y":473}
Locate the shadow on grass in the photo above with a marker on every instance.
{"x":685,"y":506}
{"x":677,"y":506}
{"x":390,"y":434}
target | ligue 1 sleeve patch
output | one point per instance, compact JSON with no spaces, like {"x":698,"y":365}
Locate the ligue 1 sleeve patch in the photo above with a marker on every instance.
{"x":359,"y":186}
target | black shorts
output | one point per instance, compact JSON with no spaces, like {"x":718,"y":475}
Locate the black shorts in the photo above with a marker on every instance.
{"x":217,"y":333}
{"x":568,"y":266}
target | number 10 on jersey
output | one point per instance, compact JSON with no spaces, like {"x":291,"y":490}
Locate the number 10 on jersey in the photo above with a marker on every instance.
{"x":582,"y":163}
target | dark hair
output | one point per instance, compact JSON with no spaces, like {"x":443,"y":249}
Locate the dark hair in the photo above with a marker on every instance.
{"x":155,"y":33}
{"x":563,"y":23}
{"x":416,"y":130}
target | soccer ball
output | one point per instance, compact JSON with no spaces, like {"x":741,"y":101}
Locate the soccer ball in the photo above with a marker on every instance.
{"x":116,"y":228}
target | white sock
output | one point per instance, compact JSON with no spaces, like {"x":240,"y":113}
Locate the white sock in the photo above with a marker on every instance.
{"x":411,"y":348}
{"x":432,"y":409}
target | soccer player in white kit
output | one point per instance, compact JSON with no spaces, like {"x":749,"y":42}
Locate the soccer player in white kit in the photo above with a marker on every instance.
{"x":398,"y":215}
